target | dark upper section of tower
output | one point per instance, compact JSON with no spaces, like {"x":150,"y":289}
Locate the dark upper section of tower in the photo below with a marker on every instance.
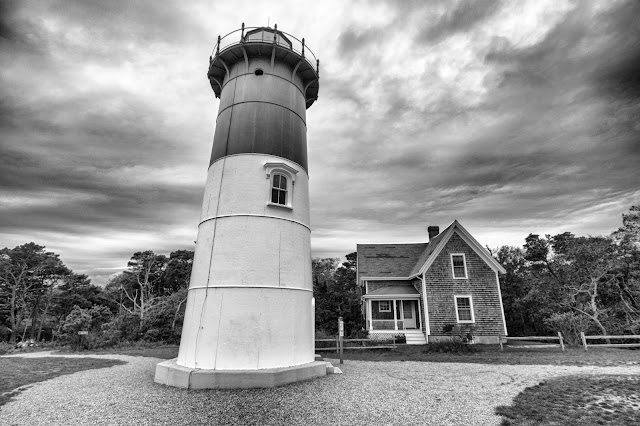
{"x":249,"y":42}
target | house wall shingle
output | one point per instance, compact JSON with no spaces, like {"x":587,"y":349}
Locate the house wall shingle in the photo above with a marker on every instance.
{"x":481,"y":285}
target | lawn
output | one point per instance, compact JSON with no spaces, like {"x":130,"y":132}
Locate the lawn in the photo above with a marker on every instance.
{"x":491,"y":354}
{"x":487,"y":354}
{"x":587,"y":400}
{"x":17,"y":372}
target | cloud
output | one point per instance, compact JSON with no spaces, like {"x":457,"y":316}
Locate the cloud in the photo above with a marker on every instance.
{"x":460,"y":18}
{"x":512,"y":118}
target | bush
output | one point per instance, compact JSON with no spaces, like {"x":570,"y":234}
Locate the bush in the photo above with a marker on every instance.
{"x":359,"y":334}
{"x":5,"y":347}
{"x":570,"y":325}
{"x":455,"y":346}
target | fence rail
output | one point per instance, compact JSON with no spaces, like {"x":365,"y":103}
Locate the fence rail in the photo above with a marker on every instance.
{"x":608,"y":338}
{"x":336,"y":341}
{"x":558,"y":338}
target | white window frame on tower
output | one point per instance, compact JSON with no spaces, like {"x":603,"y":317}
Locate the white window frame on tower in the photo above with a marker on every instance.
{"x":289,"y":173}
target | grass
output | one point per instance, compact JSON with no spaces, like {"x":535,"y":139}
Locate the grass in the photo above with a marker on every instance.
{"x":491,"y":354}
{"x":17,"y":372}
{"x":588,"y":400}
{"x":486,"y":354}
{"x":158,"y":351}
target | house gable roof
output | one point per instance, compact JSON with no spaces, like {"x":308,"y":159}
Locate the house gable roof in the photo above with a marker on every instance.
{"x":468,"y":238}
{"x":407,"y":261}
{"x":387,"y":260}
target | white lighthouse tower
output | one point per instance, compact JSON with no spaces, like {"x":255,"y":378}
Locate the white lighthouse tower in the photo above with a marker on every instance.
{"x":249,"y":320}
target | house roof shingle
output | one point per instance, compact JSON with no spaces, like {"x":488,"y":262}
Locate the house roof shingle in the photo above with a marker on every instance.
{"x":395,"y":290}
{"x":388,"y":260}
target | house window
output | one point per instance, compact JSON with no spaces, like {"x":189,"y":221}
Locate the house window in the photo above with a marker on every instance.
{"x":281,"y":179}
{"x":384,"y":306}
{"x":458,"y":266}
{"x":279,"y":189}
{"x":464,"y":309}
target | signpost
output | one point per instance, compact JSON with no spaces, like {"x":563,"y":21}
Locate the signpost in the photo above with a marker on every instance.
{"x":341,"y":336}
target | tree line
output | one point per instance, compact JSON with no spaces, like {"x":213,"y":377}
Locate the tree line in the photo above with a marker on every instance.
{"x":552,"y":283}
{"x":42,"y":299}
{"x":574,"y":284}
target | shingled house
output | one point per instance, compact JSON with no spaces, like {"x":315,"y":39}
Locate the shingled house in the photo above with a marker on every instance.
{"x":452,"y":275}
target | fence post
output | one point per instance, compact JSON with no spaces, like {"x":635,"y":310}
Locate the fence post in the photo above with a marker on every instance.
{"x":500,"y":340}
{"x":561,"y":342}
{"x":584,"y":340}
{"x":394,"y":341}
{"x":341,"y":337}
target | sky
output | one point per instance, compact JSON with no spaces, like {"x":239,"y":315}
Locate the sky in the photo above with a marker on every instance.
{"x":513,"y":117}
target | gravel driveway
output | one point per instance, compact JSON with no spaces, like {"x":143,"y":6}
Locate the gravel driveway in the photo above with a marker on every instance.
{"x":382,"y":393}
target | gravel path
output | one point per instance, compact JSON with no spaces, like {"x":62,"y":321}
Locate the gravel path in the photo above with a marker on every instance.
{"x":389,"y":393}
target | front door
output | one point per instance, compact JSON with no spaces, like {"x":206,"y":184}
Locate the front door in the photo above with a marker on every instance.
{"x":409,"y":312}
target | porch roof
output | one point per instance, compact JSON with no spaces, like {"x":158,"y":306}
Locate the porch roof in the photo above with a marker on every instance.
{"x":404,"y":290}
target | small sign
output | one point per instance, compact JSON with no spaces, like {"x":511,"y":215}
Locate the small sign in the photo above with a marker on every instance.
{"x":83,"y":332}
{"x":341,"y":328}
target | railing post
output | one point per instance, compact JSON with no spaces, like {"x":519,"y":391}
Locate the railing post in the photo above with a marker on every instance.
{"x":303,"y":47}
{"x":318,"y":67}
{"x":584,"y":340}
{"x":561,"y":341}
{"x":218,"y":46}
{"x":341,"y":337}
{"x":242,"y":34}
{"x":275,"y":33}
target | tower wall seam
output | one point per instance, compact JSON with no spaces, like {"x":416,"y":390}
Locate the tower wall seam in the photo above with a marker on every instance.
{"x":302,"y":169}
{"x":262,"y":102}
{"x":254,"y":215}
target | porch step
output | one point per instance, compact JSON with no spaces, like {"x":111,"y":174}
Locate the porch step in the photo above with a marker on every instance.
{"x":415,"y":337}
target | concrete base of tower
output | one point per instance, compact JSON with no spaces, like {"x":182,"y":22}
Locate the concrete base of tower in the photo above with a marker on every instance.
{"x":170,"y":373}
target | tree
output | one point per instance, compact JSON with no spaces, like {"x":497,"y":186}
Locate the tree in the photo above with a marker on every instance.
{"x":177,"y":272}
{"x":26,"y":272}
{"x":146,"y":268}
{"x":336,"y":294}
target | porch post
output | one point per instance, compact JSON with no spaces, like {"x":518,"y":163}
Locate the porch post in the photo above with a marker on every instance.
{"x":420,"y":314}
{"x":395,"y":315}
{"x":369,"y":315}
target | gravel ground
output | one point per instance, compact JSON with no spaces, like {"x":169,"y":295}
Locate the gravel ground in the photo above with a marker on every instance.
{"x":389,"y":393}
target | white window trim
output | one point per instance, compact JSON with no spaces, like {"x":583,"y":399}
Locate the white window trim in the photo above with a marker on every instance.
{"x":453,"y":272}
{"x":455,"y":302}
{"x":380,"y":306}
{"x":287,"y":171}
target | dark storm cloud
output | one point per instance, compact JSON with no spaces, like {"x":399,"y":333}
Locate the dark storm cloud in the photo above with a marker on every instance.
{"x":461,"y":18}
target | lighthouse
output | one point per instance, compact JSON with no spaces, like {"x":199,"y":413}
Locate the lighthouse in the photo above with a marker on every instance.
{"x":249,"y":319}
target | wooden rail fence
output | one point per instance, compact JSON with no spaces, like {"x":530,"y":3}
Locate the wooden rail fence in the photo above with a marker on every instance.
{"x":610,"y":345}
{"x":363,"y":346}
{"x":558,"y":338}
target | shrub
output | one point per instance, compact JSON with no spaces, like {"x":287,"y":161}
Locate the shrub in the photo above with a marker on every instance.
{"x":569,"y":324}
{"x":359,"y":334}
{"x":5,"y":347}
{"x":455,"y":346}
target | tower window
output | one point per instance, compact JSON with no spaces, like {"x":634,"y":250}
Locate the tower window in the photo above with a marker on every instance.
{"x":281,"y":180}
{"x":258,"y":72}
{"x":279,"y":189}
